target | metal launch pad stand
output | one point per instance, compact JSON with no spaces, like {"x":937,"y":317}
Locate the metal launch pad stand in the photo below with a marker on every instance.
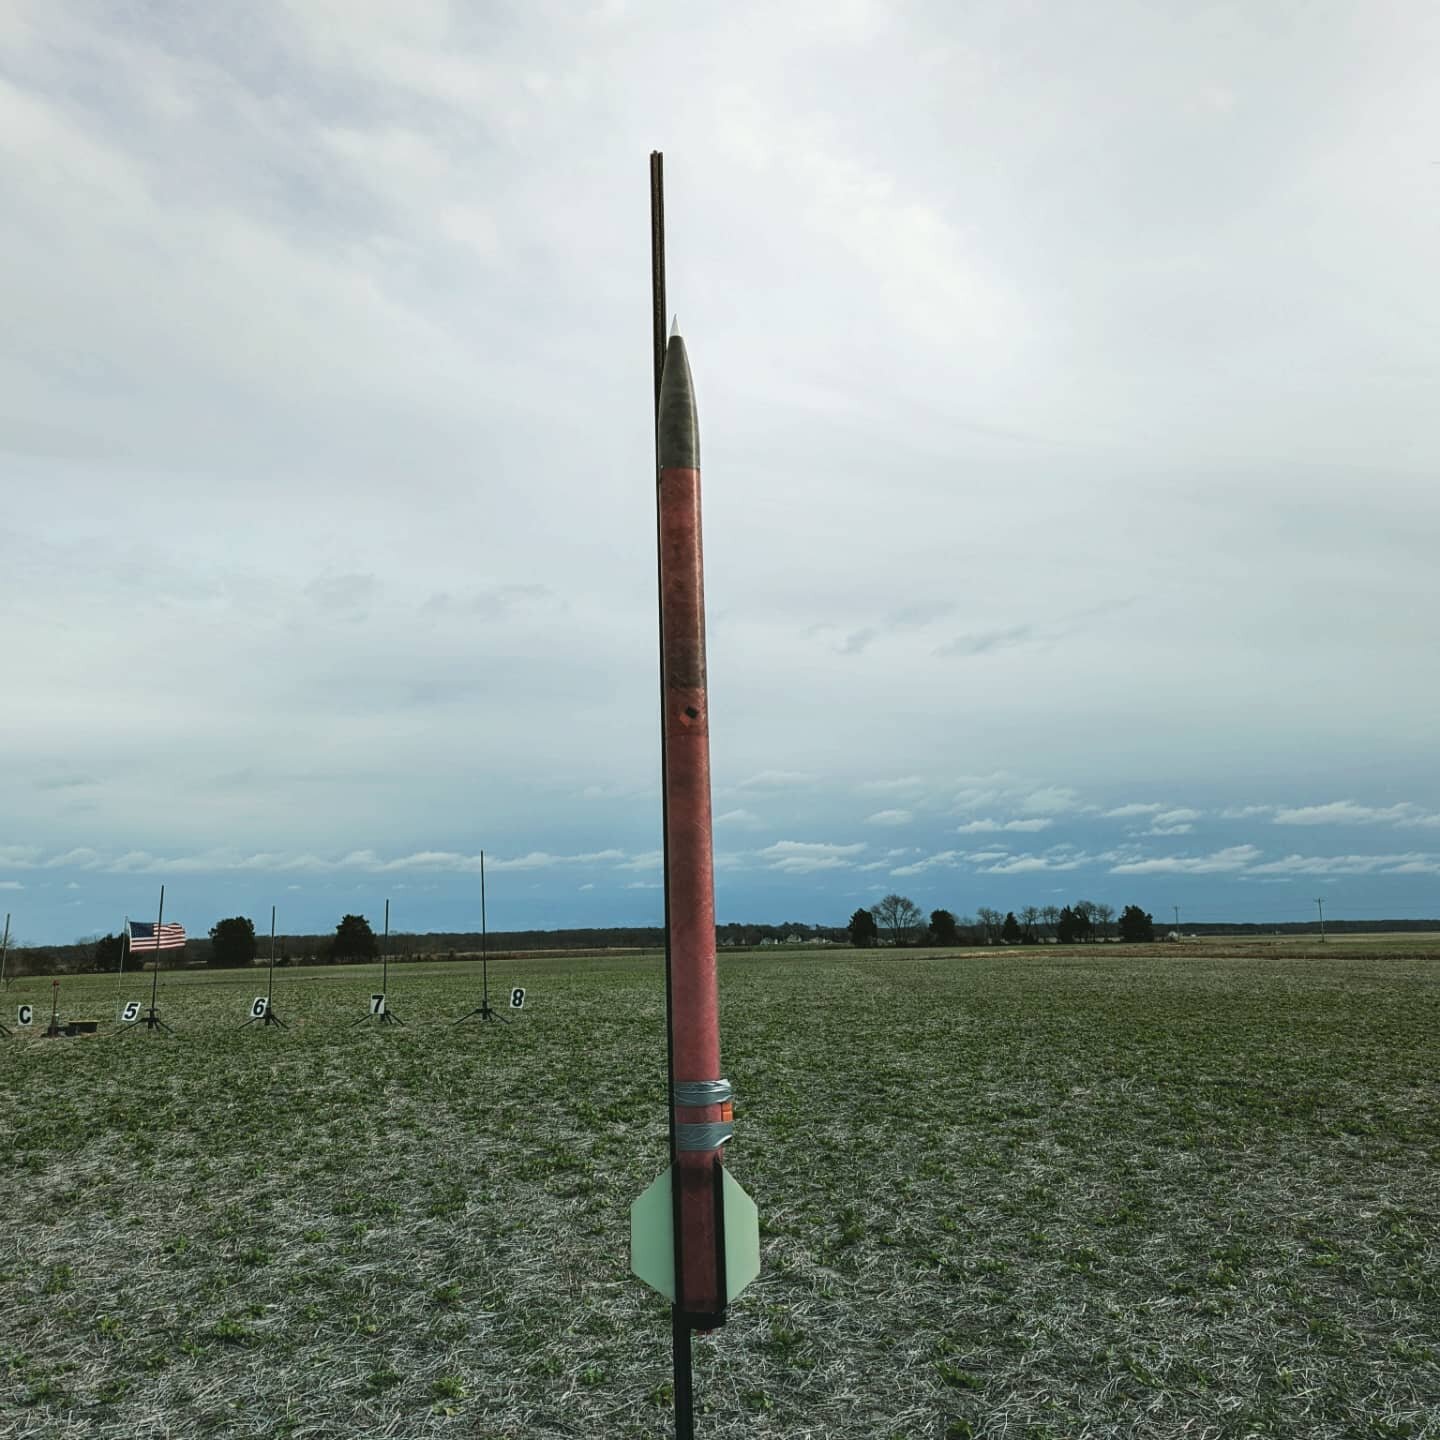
{"x":484,"y":1010}
{"x":151,"y":1019}
{"x":269,"y":1017}
{"x":383,"y":1015}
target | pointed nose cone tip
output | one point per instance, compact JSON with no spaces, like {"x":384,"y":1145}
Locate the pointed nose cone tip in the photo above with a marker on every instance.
{"x":678,"y":427}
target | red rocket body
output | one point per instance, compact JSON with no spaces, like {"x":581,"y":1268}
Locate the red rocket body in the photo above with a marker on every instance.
{"x":700,"y":1128}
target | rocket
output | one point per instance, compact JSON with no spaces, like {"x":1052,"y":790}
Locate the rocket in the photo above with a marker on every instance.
{"x":694,"y":1234}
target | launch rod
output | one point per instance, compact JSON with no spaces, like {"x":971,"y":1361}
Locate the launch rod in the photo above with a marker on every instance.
{"x":155,"y":978}
{"x":679,"y":1325}
{"x":270,"y":979}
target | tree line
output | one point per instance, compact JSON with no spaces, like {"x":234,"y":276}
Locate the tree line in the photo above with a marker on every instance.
{"x":897,"y":920}
{"x":1031,"y":924}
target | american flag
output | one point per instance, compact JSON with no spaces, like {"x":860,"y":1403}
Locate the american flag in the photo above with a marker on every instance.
{"x":142,"y":936}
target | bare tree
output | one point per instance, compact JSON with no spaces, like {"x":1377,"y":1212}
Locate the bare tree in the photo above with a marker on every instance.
{"x":1050,"y":914}
{"x":899,"y":915}
{"x":1030,"y":920}
{"x":1104,"y":914}
{"x":1088,"y":909}
{"x":993,"y":921}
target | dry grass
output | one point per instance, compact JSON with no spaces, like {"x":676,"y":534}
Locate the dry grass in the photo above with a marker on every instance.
{"x":1162,"y":1193}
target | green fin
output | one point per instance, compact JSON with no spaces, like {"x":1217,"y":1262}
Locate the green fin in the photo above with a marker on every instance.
{"x":652,"y":1237}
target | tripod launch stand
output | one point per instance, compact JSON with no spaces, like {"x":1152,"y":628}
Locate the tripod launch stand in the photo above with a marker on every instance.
{"x":151,"y":1019}
{"x":484,"y":1010}
{"x":262,"y":1012}
{"x":380,"y":1004}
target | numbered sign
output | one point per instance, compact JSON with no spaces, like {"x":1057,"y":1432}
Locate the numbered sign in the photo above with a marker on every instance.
{"x":377,"y":1004}
{"x":258,"y":1006}
{"x":131,"y":1012}
{"x":25,"y":1015}
{"x":517,"y":998}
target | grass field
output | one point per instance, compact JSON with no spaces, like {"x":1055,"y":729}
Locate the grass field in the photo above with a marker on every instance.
{"x":1190,"y":1191}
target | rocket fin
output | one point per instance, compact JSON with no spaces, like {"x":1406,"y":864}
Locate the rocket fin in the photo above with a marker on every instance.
{"x":652,"y":1237}
{"x":742,"y":1238}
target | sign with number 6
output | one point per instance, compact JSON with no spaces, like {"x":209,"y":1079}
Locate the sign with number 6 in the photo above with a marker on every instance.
{"x":131,"y":1012}
{"x":258,"y":1006}
{"x":517,"y":998}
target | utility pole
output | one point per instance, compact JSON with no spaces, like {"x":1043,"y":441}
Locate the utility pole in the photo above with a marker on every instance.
{"x":1176,"y":909}
{"x":1321,"y":905}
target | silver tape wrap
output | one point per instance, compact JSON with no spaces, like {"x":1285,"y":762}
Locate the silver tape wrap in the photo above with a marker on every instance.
{"x":703,"y":1137}
{"x":701,"y":1092}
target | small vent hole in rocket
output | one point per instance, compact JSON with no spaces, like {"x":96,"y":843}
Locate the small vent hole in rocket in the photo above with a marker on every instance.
{"x":692,"y":712}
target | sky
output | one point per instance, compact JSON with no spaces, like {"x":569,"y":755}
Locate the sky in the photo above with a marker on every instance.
{"x":1066,"y":380}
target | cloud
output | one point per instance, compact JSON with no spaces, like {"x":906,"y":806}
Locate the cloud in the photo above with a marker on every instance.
{"x":740,"y":819}
{"x":344,"y":597}
{"x":647,"y":860}
{"x":904,"y":785}
{"x":1228,"y":861}
{"x":855,"y":642}
{"x":1173,"y":822}
{"x":987,"y":641}
{"x":776,"y":780}
{"x":801,"y":857}
{"x":83,"y":856}
{"x":981,"y":827}
{"x":973,"y":799}
{"x":914,"y":617}
{"x":943,"y":859}
{"x":1051,"y":800}
{"x":1408,"y":864}
{"x":890,"y":817}
{"x":1026,"y":864}
{"x":1132,"y":811}
{"x":386,"y":199}
{"x":1245,"y":812}
{"x":1347,"y":812}
{"x":11,"y":885}
{"x":215,"y":862}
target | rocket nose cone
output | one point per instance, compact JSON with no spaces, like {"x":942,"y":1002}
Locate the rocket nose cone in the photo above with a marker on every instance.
{"x":678,"y":427}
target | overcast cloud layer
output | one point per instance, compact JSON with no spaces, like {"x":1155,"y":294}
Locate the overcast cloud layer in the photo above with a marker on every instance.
{"x":1067,"y":382}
